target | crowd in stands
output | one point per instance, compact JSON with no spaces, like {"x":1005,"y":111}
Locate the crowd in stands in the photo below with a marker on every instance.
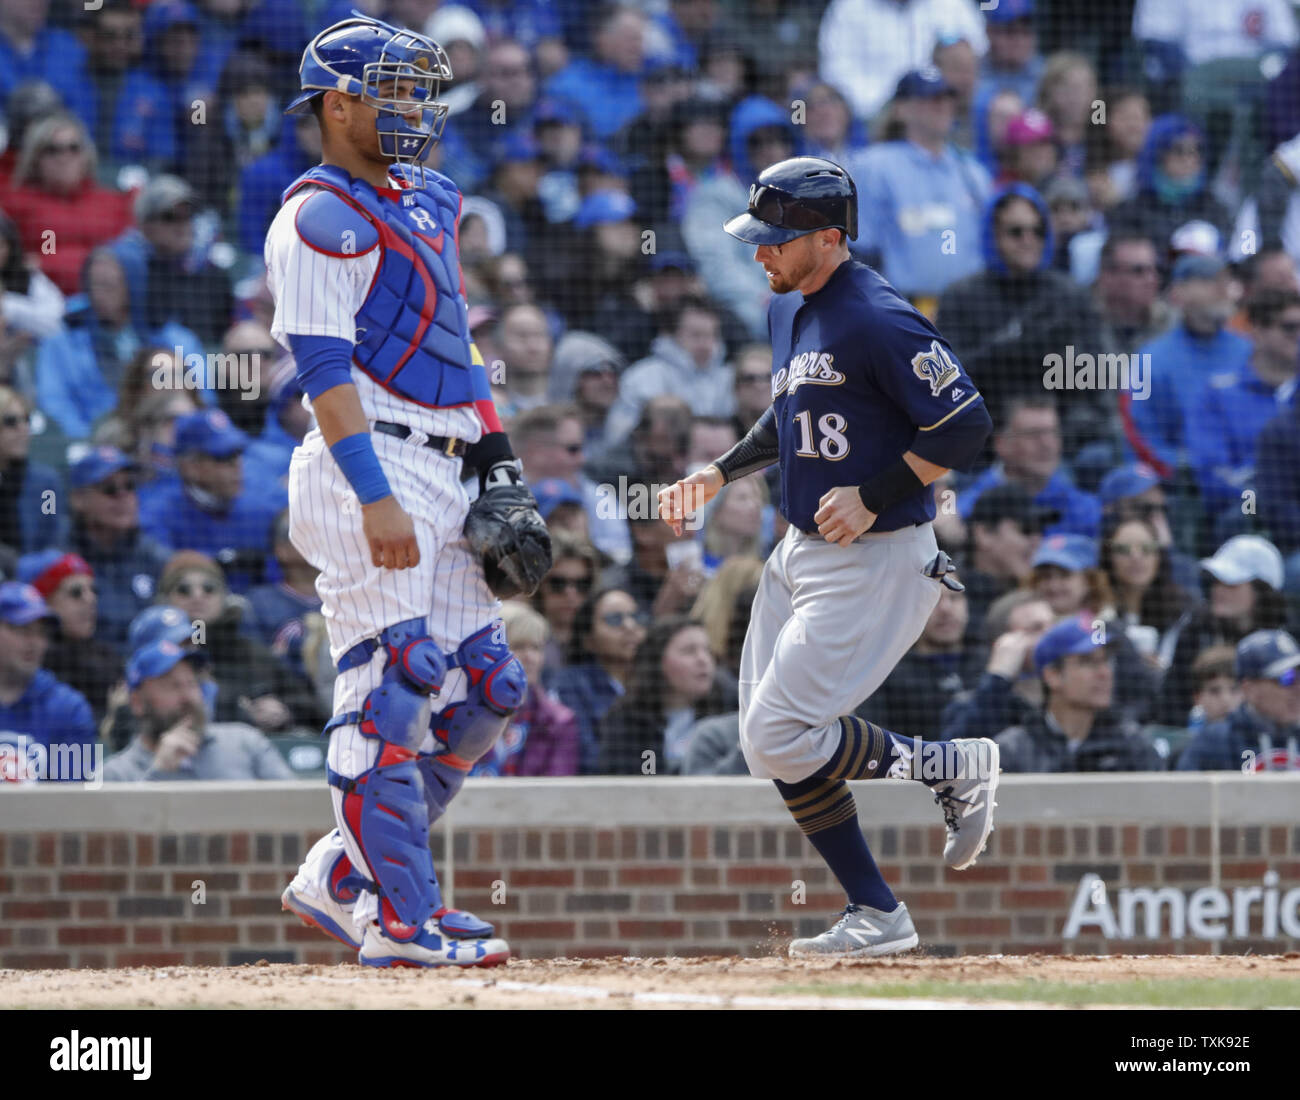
{"x":1097,"y":203}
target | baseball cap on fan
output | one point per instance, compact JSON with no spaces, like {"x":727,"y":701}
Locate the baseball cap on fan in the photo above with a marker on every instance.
{"x":159,"y":624}
{"x":1066,"y":189}
{"x":21,"y":604}
{"x":924,"y":83}
{"x":45,"y":570}
{"x":456,"y":23}
{"x":1009,"y":11}
{"x":1074,"y":553}
{"x":98,"y":464}
{"x":552,"y":492}
{"x":670,"y":260}
{"x":161,"y":194}
{"x":1192,"y":266}
{"x":1028,"y":128}
{"x":1010,"y":501}
{"x":211,"y":433}
{"x":1066,"y":639}
{"x":1196,"y":238}
{"x":158,"y":659}
{"x":1246,"y":558}
{"x":1127,"y":481}
{"x":1268,"y":655}
{"x":603,"y":207}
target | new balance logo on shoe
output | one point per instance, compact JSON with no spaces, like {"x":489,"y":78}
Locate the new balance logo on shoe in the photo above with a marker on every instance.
{"x":863,"y":932}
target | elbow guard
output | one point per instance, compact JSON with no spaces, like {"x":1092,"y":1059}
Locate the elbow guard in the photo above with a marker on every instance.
{"x":758,"y":450}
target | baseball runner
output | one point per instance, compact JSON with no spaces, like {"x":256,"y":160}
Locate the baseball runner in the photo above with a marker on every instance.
{"x":362,"y":260}
{"x":869,"y":407}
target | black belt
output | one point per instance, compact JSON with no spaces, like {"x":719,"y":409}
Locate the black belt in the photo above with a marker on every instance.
{"x":815,"y":534}
{"x":451,"y":447}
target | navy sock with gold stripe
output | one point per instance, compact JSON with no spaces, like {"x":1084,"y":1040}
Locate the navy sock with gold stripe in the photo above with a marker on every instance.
{"x":825,"y":812}
{"x":868,"y":751}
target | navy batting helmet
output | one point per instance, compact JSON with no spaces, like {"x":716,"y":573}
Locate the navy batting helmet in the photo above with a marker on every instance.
{"x":797,"y":196}
{"x":366,"y":57}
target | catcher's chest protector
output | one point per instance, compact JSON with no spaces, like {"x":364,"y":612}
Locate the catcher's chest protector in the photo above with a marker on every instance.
{"x":413,"y":328}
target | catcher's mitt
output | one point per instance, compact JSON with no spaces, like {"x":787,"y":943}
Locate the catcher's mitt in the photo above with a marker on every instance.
{"x":509,"y":535}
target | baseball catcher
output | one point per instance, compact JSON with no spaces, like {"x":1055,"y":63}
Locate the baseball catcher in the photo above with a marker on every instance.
{"x":363,"y":262}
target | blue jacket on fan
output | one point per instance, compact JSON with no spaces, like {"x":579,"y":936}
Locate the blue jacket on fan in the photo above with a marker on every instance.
{"x":47,"y":716}
{"x":1223,"y":428}
{"x":1080,"y":512}
{"x":146,"y":129}
{"x":78,"y":368}
{"x":59,"y":59}
{"x":235,"y":537}
{"x":608,"y":98}
{"x":1181,"y":362}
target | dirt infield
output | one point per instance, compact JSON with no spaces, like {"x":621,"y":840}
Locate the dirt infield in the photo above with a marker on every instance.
{"x":660,"y":983}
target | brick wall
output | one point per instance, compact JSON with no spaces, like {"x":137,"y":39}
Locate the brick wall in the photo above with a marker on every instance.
{"x":76,"y":894}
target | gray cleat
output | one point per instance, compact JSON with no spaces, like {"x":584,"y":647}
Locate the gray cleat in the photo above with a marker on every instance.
{"x":863,"y":932}
{"x":967,"y":801}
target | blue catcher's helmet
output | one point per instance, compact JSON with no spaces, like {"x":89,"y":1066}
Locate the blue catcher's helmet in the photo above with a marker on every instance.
{"x":357,"y":57}
{"x":797,"y":196}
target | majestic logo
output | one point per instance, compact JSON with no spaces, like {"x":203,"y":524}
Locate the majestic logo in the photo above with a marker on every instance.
{"x":811,"y":368}
{"x":936,"y":367}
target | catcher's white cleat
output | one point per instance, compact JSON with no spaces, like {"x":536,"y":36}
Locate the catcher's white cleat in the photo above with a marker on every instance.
{"x":430,"y":949}
{"x":317,"y":893}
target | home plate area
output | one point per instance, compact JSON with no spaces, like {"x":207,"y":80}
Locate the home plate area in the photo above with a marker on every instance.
{"x":915,"y":981}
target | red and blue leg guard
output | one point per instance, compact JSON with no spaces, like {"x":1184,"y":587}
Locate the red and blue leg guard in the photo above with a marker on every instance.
{"x":465,"y":731}
{"x":385,"y":808}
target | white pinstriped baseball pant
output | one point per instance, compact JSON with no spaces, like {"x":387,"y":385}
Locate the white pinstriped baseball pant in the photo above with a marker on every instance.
{"x":359,"y":600}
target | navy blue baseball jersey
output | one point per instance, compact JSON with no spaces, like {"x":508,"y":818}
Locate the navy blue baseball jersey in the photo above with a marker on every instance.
{"x":858,"y":378}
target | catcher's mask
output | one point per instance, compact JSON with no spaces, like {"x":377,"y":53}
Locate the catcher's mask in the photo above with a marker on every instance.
{"x":368,"y":58}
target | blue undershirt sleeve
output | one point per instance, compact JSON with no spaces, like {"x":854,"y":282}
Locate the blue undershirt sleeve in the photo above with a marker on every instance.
{"x":322,"y":362}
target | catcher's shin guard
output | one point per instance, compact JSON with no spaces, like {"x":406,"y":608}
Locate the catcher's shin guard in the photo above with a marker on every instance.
{"x":465,"y":731}
{"x":384,"y":807}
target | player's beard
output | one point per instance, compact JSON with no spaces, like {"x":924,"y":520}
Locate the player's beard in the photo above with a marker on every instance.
{"x":799,"y":269}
